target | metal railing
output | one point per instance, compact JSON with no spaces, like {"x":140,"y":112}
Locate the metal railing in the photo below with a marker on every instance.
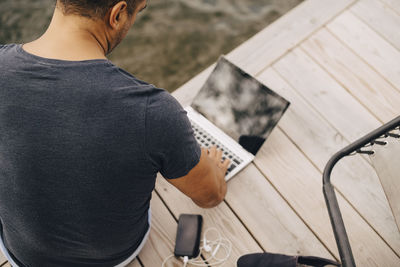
{"x":335,"y":216}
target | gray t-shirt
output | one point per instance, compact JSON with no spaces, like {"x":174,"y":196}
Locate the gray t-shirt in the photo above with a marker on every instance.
{"x":81,"y":143}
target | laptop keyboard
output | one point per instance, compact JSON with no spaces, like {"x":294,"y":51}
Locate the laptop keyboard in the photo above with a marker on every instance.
{"x":206,"y":140}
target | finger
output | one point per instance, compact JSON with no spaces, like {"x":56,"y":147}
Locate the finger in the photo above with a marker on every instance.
{"x":219,"y":155}
{"x":213,"y":151}
{"x":204,"y":151}
{"x":226,"y":163}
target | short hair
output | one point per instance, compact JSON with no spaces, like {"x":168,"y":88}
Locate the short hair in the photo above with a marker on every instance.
{"x":93,"y":9}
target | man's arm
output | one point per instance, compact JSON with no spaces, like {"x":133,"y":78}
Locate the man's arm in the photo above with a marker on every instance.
{"x":205,"y":184}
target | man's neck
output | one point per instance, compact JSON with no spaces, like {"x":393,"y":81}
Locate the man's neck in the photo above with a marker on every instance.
{"x":70,"y":38}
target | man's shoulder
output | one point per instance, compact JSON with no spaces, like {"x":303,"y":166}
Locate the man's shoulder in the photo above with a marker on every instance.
{"x":156,"y":96}
{"x":158,"y":99}
{"x":123,"y":82}
{"x":130,"y":77}
{"x":128,"y":80}
{"x":162,"y":102}
{"x":5,"y":48}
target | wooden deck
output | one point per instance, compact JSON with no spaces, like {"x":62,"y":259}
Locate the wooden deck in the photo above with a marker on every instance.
{"x":338,"y":62}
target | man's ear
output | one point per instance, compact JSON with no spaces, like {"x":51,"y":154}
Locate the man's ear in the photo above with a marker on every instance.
{"x":117,"y":12}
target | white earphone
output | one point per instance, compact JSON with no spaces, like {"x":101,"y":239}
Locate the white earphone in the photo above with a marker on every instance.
{"x":207,"y":249}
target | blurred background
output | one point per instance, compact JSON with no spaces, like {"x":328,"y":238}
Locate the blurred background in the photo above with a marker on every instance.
{"x":171,"y":41}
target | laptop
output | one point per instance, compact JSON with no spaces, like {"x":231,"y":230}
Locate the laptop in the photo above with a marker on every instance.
{"x":236,"y":113}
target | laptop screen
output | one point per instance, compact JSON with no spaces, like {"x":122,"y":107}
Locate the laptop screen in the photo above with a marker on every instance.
{"x":240,"y":105}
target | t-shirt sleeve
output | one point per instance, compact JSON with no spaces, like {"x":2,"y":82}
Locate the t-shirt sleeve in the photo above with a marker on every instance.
{"x":171,"y":145}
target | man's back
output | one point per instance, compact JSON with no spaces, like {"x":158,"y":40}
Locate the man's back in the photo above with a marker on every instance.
{"x":80,"y":148}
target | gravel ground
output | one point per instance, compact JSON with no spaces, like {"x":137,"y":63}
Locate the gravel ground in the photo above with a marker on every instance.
{"x":171,"y":41}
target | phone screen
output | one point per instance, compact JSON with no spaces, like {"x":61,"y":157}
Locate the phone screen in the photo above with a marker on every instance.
{"x":188,"y":235}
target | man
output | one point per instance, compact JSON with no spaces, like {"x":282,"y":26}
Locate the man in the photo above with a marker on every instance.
{"x":81,"y":142}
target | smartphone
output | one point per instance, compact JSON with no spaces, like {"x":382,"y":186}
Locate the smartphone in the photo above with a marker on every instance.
{"x":188,"y":235}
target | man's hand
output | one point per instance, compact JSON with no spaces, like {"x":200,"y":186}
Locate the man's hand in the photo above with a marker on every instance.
{"x":216,"y":156}
{"x":205,"y":184}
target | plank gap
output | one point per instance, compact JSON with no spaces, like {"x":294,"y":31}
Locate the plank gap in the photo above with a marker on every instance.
{"x":310,"y":105}
{"x":166,"y":206}
{"x":349,"y":70}
{"x":320,"y":114}
{"x":337,"y":191}
{"x":355,"y":44}
{"x":391,"y":5}
{"x":341,"y":84}
{"x":295,"y":211}
{"x":304,"y":39}
{"x":373,"y":29}
{"x":140,"y":261}
{"x":245,"y":226}
{"x":363,"y":59}
{"x":320,"y":169}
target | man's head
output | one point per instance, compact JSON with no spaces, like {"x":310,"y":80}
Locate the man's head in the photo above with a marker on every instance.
{"x":114,"y":17}
{"x":95,"y":9}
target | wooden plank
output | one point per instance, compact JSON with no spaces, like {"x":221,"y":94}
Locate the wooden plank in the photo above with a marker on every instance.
{"x":300,"y":183}
{"x":379,"y":17}
{"x":134,"y":263}
{"x":220,"y":217}
{"x":268,"y":216}
{"x":7,"y":265}
{"x":161,"y":241}
{"x":270,"y":44}
{"x":316,"y":137}
{"x":323,"y":93}
{"x":2,"y":258}
{"x":385,"y":162}
{"x":360,"y":80}
{"x":319,"y":140}
{"x":189,"y":90}
{"x":274,"y":41}
{"x":394,"y":4}
{"x":366,"y":43}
